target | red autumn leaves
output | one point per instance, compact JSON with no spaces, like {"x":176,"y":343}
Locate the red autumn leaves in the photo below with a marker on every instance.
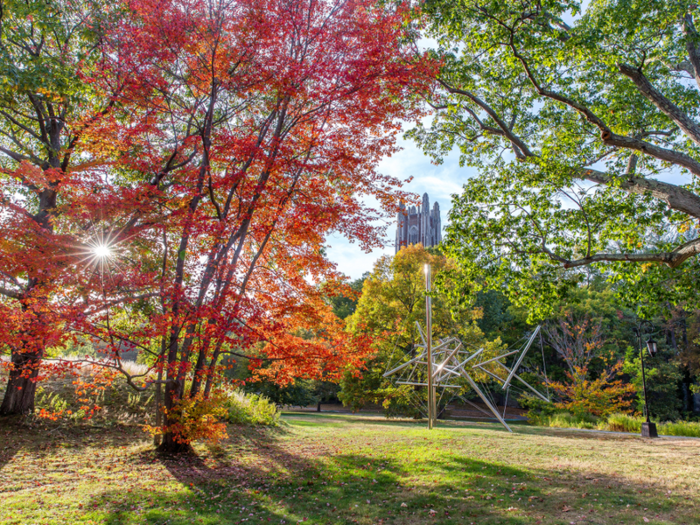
{"x":226,"y":141}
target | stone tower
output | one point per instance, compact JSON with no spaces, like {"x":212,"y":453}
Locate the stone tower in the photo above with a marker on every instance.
{"x":420,"y":225}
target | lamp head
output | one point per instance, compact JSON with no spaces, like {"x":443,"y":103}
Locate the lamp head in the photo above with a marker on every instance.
{"x":651,"y":346}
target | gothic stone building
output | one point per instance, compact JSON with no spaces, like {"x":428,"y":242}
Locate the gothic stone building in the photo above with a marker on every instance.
{"x":420,"y":225}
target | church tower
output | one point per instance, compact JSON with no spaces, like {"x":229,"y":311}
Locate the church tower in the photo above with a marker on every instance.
{"x":419,"y":225}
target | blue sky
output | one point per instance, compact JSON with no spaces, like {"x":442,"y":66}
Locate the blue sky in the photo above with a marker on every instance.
{"x":440,"y":182}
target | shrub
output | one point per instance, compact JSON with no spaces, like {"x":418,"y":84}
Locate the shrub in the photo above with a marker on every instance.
{"x":195,"y":419}
{"x":619,"y":422}
{"x":602,"y":396}
{"x":538,"y":411}
{"x":680,"y":428}
{"x":250,"y":409}
{"x":569,"y":420}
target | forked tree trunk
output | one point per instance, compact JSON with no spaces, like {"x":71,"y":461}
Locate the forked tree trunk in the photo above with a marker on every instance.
{"x":21,"y":386}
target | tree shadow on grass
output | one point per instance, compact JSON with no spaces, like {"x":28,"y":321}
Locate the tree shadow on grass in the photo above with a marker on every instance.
{"x":35,"y":434}
{"x":256,"y":479}
{"x":39,"y":438}
{"x":9,"y":445}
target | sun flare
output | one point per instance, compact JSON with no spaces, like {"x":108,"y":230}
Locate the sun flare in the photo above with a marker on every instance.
{"x":102,"y":251}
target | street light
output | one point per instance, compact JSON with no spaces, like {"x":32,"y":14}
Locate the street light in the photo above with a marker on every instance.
{"x":648,"y":428}
{"x":429,"y":349}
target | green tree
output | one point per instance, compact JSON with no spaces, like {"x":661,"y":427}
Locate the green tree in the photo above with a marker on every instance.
{"x":392,"y":302}
{"x":583,"y":121}
{"x":47,"y":114}
{"x":663,"y":377}
{"x":344,"y":305}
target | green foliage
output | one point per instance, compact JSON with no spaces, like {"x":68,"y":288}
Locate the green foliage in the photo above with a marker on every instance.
{"x":535,"y":406}
{"x":565,"y":420}
{"x":299,"y":393}
{"x":250,"y":409}
{"x":499,"y":319}
{"x":393,"y":301}
{"x":359,"y":388}
{"x":544,"y":99}
{"x":619,"y":422}
{"x":663,"y":377}
{"x":51,"y":401}
{"x":344,"y":306}
{"x":680,"y":428}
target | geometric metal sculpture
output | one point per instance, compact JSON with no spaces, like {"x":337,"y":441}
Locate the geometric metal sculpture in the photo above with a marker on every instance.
{"x":451,"y":363}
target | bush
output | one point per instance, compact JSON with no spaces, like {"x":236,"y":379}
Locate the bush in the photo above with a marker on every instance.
{"x":569,"y":420}
{"x":619,"y":422}
{"x":602,"y":396}
{"x":251,"y":409}
{"x":680,"y":428}
{"x":194,"y":419}
{"x":538,"y":411}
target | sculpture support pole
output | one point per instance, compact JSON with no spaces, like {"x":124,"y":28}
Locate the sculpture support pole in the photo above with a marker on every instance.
{"x":429,"y":348}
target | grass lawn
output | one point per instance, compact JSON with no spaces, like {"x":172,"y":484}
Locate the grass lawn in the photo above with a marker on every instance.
{"x":345,"y":469}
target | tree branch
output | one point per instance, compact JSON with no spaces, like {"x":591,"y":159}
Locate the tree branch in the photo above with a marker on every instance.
{"x":691,"y":46}
{"x":663,"y":104}
{"x":521,"y":149}
{"x":606,"y":134}
{"x":9,"y":293}
{"x":672,"y":259}
{"x":677,"y":197}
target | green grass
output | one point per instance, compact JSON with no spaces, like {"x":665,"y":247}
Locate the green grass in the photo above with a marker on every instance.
{"x":341,"y":469}
{"x":680,"y":428}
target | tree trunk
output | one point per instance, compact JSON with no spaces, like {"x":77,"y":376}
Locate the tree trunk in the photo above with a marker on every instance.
{"x":169,"y":444}
{"x":171,"y":447}
{"x":159,"y":407}
{"x":21,"y":386}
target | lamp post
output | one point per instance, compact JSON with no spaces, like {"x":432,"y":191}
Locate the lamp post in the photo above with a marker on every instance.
{"x":648,"y":428}
{"x":429,"y":349}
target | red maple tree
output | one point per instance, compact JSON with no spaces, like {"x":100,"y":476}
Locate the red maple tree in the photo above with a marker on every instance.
{"x":246,"y":132}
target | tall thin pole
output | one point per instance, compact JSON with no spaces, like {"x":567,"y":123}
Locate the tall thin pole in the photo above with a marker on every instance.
{"x":429,"y":344}
{"x":644,"y":377}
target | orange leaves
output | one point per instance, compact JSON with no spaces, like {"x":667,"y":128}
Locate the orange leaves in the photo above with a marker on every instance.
{"x":194,"y":418}
{"x":601,"y":397}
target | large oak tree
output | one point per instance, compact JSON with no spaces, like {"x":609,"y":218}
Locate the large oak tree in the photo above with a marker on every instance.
{"x":46,"y":111}
{"x":583,"y":119}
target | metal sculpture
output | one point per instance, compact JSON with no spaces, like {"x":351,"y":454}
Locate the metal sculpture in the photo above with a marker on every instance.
{"x":449,"y":361}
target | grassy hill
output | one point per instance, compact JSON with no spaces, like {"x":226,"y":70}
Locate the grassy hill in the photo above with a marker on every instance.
{"x":343,"y":469}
